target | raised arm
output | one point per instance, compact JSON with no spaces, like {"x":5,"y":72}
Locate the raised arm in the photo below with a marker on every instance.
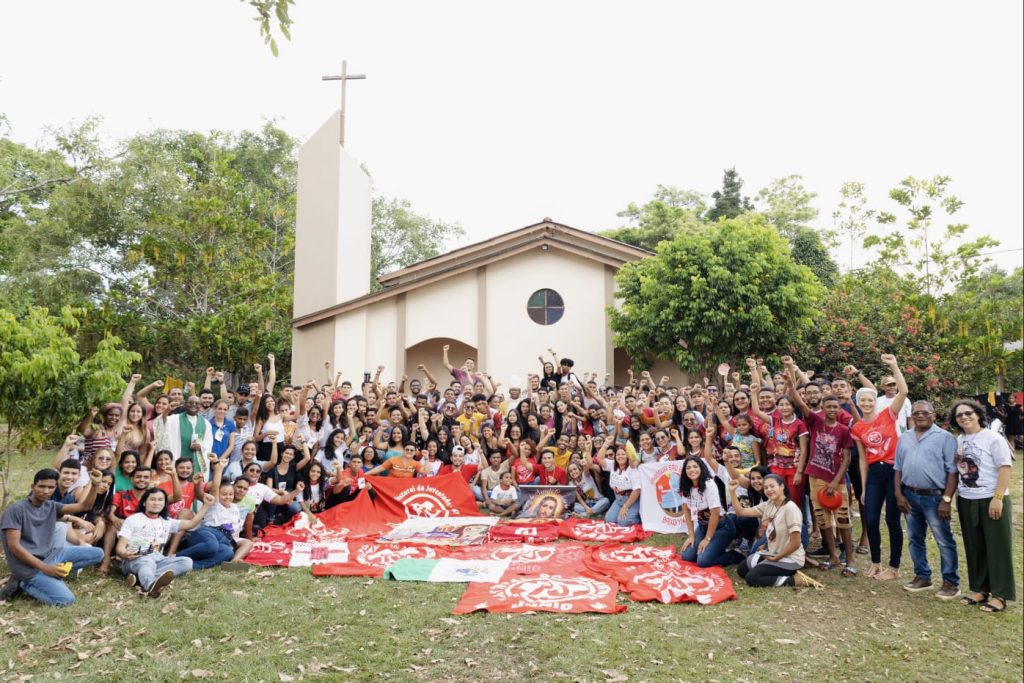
{"x":85,"y":424}
{"x":426,"y":373}
{"x":852,"y":373}
{"x":271,"y":373}
{"x":444,"y":358}
{"x":95,"y":477}
{"x":901,"y":383}
{"x":794,"y":395}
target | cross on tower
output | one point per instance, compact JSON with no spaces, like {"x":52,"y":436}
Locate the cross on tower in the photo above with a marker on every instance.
{"x":344,"y":77}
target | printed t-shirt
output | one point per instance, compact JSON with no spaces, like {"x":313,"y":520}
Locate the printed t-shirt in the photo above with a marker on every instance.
{"x":126,"y":503}
{"x":783,"y":443}
{"x":524,"y":472}
{"x":782,"y":521}
{"x":827,"y":445}
{"x":745,"y":445}
{"x":147,"y":534}
{"x":978,"y":459}
{"x":701,"y":503}
{"x":878,"y":436}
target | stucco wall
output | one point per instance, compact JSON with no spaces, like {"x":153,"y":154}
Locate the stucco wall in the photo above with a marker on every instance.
{"x":513,"y":341}
{"x":446,"y":309}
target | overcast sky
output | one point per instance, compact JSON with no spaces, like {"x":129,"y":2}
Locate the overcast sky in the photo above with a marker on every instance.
{"x":496,"y":115}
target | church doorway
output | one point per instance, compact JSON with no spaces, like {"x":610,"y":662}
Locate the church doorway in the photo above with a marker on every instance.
{"x":429,"y":353}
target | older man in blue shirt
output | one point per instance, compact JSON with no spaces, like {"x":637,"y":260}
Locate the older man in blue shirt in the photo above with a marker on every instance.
{"x":925,"y":483}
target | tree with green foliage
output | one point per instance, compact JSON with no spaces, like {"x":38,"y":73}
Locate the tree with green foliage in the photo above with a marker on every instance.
{"x":729,"y":201}
{"x":266,"y":12}
{"x":46,"y":385}
{"x":401,"y":236}
{"x":852,"y":215}
{"x":727,"y":291}
{"x":808,"y":249}
{"x":669,"y":212}
{"x":935,"y":260}
{"x":183,"y":244}
{"x":786,"y":205}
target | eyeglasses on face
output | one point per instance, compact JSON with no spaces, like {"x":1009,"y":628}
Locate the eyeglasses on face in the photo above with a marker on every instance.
{"x":917,"y":413}
{"x":965,"y":413}
{"x":889,"y":384}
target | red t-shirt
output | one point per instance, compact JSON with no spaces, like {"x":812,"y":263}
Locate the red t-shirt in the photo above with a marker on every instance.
{"x":879,"y":437}
{"x":783,"y":443}
{"x":188,"y":496}
{"x":827,"y":445}
{"x":524,"y":473}
{"x":126,"y":503}
{"x":467,"y":471}
{"x":552,"y":478}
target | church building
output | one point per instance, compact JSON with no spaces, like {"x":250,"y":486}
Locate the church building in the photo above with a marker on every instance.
{"x":502,"y":302}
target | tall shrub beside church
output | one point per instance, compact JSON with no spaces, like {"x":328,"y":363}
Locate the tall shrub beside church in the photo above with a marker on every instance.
{"x":714,"y":293}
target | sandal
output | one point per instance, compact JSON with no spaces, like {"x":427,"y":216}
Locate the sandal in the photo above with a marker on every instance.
{"x":827,"y":565}
{"x":863,"y":550}
{"x":888,"y":574}
{"x":849,"y":571}
{"x":872,"y":571}
{"x":970,"y":600}
{"x":992,"y":609}
{"x":801,"y":580}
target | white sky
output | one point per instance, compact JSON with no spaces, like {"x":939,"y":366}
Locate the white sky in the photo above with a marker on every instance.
{"x":496,"y":115}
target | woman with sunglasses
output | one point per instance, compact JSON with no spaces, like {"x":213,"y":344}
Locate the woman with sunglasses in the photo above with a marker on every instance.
{"x":984,"y":465}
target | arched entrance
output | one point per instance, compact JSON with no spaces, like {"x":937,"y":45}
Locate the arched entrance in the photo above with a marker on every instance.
{"x":429,"y":353}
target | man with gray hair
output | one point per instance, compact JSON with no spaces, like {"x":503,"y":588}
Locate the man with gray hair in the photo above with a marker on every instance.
{"x":925,"y":480}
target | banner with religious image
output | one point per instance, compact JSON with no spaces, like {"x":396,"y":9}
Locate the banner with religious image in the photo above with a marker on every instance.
{"x":546,"y":502}
{"x":449,"y":531}
{"x":661,"y":503}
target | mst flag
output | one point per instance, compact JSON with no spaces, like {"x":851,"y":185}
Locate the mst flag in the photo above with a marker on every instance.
{"x":445,"y":496}
{"x":524,"y":532}
{"x":580,"y":591}
{"x":553,"y":558}
{"x":593,"y":530}
{"x":371,"y":559}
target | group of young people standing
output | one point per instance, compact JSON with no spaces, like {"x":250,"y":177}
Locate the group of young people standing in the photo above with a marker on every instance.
{"x":771,"y":462}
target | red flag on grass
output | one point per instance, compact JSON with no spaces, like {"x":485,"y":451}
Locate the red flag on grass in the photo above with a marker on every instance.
{"x":371,"y":559}
{"x":527,"y":558}
{"x":594,"y":530}
{"x":567,"y":592}
{"x":525,"y":532}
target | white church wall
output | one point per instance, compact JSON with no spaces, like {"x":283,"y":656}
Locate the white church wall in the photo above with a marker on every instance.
{"x":445,"y":309}
{"x":381,"y":331}
{"x":307,"y":364}
{"x":513,"y":341}
{"x":350,"y":346}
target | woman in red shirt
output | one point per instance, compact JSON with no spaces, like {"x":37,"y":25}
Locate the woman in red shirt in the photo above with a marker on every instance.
{"x":875,"y":435}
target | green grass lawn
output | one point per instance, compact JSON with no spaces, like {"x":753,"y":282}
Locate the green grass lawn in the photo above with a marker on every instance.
{"x":283,"y":625}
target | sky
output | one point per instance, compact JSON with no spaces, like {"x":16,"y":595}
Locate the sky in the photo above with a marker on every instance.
{"x":496,"y":115}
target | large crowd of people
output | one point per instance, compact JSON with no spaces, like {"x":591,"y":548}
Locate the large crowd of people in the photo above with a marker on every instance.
{"x":776,"y":466}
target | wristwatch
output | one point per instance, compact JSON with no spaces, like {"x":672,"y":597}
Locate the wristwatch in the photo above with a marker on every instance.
{"x":947,"y":499}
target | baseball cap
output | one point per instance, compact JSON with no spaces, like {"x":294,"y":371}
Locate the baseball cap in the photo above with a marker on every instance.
{"x":242,"y":389}
{"x":459,"y":449}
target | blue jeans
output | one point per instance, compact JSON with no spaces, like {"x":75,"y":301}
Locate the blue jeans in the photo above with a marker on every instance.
{"x":924,"y":515}
{"x":598,"y":505}
{"x":632,"y":515}
{"x":148,"y":567}
{"x":715,"y":555}
{"x":879,"y":489}
{"x":207,"y":547}
{"x":51,"y":591}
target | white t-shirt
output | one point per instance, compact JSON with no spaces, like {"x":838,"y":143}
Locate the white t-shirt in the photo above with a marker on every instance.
{"x":978,"y":459}
{"x":260,"y":492}
{"x":701,"y":503}
{"x":229,"y":518}
{"x":502,"y":496}
{"x":622,"y":482}
{"x":147,"y":534}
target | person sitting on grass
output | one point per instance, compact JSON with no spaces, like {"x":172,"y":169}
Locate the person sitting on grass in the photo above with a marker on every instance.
{"x":126,"y":504}
{"x":780,"y":562}
{"x":40,"y":560}
{"x":141,"y":541}
{"x":503,"y":501}
{"x":218,"y":541}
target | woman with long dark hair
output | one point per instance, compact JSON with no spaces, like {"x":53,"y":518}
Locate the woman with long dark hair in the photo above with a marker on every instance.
{"x":268,"y":427}
{"x":779,"y":564}
{"x":710,"y":529}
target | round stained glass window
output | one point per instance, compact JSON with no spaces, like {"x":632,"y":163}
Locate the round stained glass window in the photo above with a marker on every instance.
{"x":545,"y":307}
